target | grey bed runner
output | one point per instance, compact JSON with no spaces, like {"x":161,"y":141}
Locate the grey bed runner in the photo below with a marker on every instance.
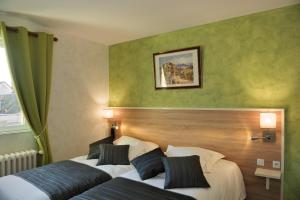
{"x":65,"y":179}
{"x":125,"y":189}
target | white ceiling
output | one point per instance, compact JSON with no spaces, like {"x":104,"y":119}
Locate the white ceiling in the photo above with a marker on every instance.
{"x":114,"y":21}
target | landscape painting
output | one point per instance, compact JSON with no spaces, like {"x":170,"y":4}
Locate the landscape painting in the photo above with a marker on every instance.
{"x":177,"y":69}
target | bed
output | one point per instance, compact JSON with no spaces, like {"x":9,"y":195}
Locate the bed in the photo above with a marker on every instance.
{"x":13,"y":187}
{"x":65,"y":179}
{"x":226,"y":183}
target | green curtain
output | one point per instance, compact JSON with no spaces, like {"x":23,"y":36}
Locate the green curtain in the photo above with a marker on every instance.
{"x":30,"y":60}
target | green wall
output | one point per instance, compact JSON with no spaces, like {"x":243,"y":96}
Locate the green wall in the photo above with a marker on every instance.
{"x":249,"y":61}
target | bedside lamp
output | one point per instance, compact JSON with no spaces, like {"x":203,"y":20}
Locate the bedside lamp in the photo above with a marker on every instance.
{"x":268,"y":123}
{"x":109,"y":114}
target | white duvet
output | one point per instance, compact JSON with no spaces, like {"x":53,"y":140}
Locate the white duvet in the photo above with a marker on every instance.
{"x":226,"y":183}
{"x":15,"y":188}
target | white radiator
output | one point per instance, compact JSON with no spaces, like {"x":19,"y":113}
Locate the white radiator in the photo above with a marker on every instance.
{"x":16,"y":162}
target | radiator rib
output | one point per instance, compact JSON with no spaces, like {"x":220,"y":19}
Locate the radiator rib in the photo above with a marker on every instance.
{"x":16,"y":162}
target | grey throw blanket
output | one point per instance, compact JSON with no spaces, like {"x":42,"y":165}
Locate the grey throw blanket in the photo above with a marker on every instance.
{"x":125,"y":189}
{"x":65,"y":179}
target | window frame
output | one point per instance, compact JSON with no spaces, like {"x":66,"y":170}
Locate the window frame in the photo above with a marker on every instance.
{"x":15,"y":128}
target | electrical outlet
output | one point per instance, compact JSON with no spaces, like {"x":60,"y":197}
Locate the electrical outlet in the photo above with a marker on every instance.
{"x":260,"y":162}
{"x":276,"y":164}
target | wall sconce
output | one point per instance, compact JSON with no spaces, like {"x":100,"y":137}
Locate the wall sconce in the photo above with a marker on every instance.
{"x":109,"y":114}
{"x":268,"y":123}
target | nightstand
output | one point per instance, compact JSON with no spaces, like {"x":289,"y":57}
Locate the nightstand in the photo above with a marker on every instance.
{"x":268,"y":173}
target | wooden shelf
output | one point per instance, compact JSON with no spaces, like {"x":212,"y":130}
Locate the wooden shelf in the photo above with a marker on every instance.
{"x":268,"y":173}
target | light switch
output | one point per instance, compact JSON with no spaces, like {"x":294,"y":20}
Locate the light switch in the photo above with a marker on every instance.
{"x":260,"y":162}
{"x":276,"y":164}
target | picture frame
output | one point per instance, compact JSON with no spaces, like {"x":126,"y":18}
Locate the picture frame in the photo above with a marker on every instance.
{"x":180,"y":68}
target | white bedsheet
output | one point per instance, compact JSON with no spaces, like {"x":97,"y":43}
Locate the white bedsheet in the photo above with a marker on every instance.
{"x":113,"y":170}
{"x":15,"y":188}
{"x":226,"y":183}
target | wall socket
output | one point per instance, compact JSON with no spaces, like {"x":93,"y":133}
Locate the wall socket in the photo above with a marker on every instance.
{"x":260,"y":162}
{"x":276,"y":164}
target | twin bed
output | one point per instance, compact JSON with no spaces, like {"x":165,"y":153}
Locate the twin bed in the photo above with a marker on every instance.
{"x":226,"y":183}
{"x":114,"y":182}
{"x":42,"y":187}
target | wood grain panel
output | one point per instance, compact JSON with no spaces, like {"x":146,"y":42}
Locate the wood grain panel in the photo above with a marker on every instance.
{"x":225,"y":131}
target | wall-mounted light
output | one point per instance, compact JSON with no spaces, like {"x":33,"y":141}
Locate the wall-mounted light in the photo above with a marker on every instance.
{"x":109,"y":114}
{"x":268,"y":120}
{"x":268,"y":123}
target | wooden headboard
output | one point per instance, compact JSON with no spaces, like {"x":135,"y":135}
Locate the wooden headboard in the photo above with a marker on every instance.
{"x":227,"y":131}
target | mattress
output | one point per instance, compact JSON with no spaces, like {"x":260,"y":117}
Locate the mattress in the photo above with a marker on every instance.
{"x":225,"y":179}
{"x":16,"y":188}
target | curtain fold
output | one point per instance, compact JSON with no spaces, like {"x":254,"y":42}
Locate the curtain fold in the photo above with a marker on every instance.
{"x":30,"y":61}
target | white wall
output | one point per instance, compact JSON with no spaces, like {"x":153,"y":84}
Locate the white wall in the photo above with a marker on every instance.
{"x":16,"y":142}
{"x":78,"y":94}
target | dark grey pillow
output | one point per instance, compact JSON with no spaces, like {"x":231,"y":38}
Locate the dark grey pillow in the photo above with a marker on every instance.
{"x":149,"y":164}
{"x":184,"y":172}
{"x":94,"y":150}
{"x":113,"y":154}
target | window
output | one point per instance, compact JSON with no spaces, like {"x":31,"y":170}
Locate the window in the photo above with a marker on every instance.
{"x":12,"y":119}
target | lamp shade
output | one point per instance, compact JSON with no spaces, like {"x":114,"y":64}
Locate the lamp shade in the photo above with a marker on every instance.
{"x":108,"y":113}
{"x":267,"y":120}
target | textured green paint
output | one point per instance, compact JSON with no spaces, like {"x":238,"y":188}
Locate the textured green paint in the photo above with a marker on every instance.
{"x":249,"y":61}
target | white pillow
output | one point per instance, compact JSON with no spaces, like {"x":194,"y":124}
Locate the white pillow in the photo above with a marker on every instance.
{"x":207,"y":157}
{"x":137,"y":147}
{"x":149,"y":146}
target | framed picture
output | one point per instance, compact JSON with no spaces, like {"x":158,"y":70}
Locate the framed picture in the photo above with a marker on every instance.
{"x":177,"y":69}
